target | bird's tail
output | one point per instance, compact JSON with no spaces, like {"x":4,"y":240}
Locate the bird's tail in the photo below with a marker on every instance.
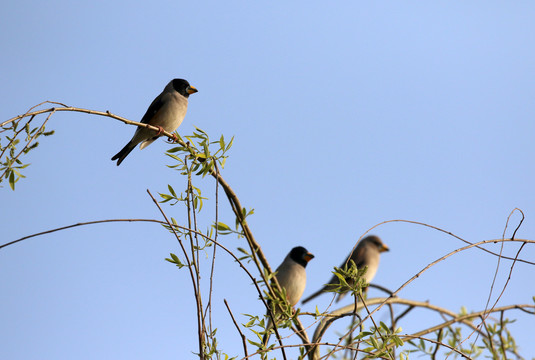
{"x":124,"y":152}
{"x":265,"y":339}
{"x":307,"y":299}
{"x":266,"y":336}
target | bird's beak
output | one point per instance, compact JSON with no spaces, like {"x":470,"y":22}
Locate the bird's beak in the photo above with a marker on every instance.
{"x":384,"y":248}
{"x":308,"y":257}
{"x":191,"y":90}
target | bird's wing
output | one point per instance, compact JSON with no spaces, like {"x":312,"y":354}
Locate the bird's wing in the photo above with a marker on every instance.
{"x":358,"y":256}
{"x":154,"y":107}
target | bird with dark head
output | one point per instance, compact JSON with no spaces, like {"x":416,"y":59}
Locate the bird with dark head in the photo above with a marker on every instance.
{"x":166,"y":112}
{"x":367,"y":253}
{"x":292,"y":277}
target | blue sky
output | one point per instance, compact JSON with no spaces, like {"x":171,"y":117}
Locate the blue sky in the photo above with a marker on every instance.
{"x":344,"y":116}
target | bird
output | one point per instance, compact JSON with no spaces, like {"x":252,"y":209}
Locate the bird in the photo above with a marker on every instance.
{"x":166,"y":112}
{"x":367,"y":253}
{"x":292,"y":277}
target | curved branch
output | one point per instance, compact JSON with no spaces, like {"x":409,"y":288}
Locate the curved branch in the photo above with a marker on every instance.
{"x":299,"y":326}
{"x":236,"y":205}
{"x":349,"y":310}
{"x":446,"y":232}
{"x":441,"y":344}
{"x":257,"y":254}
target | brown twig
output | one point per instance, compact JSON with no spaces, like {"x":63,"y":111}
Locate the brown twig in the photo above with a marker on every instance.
{"x":192,"y":223}
{"x":257,"y":253}
{"x":434,"y":263}
{"x":196,"y":291}
{"x":484,"y":318}
{"x":212,"y":268}
{"x":446,"y":232}
{"x":400,"y":316}
{"x":243,"y":338}
{"x":80,"y":224}
{"x":145,"y":220}
{"x":273,"y":320}
{"x":434,"y":355}
{"x":496,"y":272}
{"x":440,"y":343}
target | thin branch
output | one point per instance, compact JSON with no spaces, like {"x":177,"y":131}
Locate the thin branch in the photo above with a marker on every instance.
{"x":293,"y":346}
{"x":434,"y":355}
{"x":502,"y":342}
{"x":172,"y":226}
{"x":437,"y":261}
{"x":80,"y":224}
{"x":489,"y":336}
{"x":243,"y":338}
{"x":191,"y":272}
{"x":501,"y":293}
{"x":273,"y":320}
{"x":348,"y":310}
{"x":446,"y":232}
{"x":402,"y":315}
{"x":439,"y":343}
{"x":484,"y":318}
{"x":195,"y":258}
{"x":214,"y":252}
{"x":393,"y":323}
{"x":258,"y":255}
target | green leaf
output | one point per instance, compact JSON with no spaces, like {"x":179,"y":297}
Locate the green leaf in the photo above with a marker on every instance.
{"x":229,"y":144}
{"x":175,"y":260}
{"x":254,"y":343}
{"x":375,"y":344}
{"x":385,"y":327}
{"x":166,"y":197}
{"x":397,"y":341}
{"x":222,"y":227}
{"x":364,"y":334}
{"x":201,"y":131}
{"x":12,"y":180}
{"x":171,"y":190}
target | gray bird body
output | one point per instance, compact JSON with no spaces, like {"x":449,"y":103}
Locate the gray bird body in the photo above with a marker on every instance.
{"x":367,"y":253}
{"x":166,"y":111}
{"x":292,"y":277}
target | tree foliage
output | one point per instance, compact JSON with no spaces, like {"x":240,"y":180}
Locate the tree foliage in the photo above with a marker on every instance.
{"x":458,"y":334}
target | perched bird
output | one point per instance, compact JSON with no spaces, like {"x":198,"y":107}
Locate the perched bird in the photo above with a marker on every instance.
{"x":292,"y":277}
{"x":366,"y":253}
{"x":166,"y":112}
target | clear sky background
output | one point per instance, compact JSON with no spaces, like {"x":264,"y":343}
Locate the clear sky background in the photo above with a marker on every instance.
{"x":344,"y":115}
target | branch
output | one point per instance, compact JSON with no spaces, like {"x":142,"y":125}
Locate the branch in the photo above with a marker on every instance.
{"x":446,"y":232}
{"x":236,"y":206}
{"x":439,"y":343}
{"x":349,"y":310}
{"x":235,"y":203}
{"x":82,"y":224}
{"x":196,"y":290}
{"x":243,"y":338}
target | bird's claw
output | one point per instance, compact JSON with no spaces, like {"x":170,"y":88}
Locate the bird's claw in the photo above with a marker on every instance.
{"x":160,"y":130}
{"x":172,"y":139}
